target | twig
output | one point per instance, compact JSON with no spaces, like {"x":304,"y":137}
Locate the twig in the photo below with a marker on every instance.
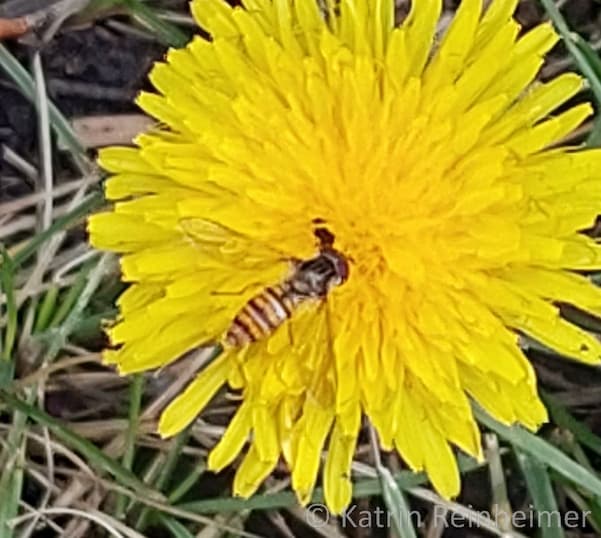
{"x":41,"y":101}
{"x":24,"y":202}
{"x":90,"y":90}
{"x":20,"y":164}
{"x":11,"y":28}
{"x":28,"y":222}
{"x":105,"y":521}
{"x":49,"y":252}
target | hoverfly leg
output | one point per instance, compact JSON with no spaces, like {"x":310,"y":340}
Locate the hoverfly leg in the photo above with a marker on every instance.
{"x":329,"y":329}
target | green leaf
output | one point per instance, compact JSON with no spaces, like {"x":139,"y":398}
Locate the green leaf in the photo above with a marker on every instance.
{"x":583,"y":504}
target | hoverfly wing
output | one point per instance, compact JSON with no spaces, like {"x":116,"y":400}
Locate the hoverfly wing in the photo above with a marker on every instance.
{"x":207,"y":231}
{"x":209,"y":234}
{"x":220,"y":244}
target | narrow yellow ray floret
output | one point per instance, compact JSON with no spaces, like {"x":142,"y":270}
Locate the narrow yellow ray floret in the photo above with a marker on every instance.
{"x":427,"y":157}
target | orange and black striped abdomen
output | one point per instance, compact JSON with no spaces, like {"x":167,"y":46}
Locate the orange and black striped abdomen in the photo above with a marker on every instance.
{"x":261,"y":316}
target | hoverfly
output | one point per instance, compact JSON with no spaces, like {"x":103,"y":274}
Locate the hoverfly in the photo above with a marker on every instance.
{"x":309,"y":279}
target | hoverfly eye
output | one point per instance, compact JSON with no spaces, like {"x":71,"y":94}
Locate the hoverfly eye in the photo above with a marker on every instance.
{"x":342,"y":268}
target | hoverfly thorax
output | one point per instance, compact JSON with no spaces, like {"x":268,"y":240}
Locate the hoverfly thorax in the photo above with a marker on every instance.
{"x":317,"y":276}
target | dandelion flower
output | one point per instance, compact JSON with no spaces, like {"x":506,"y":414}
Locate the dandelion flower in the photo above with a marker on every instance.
{"x":432,"y":161}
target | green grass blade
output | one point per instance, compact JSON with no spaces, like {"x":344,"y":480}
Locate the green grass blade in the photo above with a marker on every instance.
{"x":542,"y":450}
{"x":286,"y":499}
{"x":591,"y":56}
{"x":396,"y":504}
{"x":582,"y":503}
{"x":176,"y":529}
{"x":165,"y":31}
{"x":94,"y":272}
{"x":586,"y":59}
{"x":187,"y":483}
{"x":498,"y":486}
{"x":70,"y":298}
{"x":46,"y":309}
{"x":7,"y":272}
{"x":174,"y":452}
{"x":135,"y":402}
{"x":594,"y":62}
{"x":564,"y":419}
{"x":11,"y":485}
{"x":90,"y":327}
{"x":541,"y":491}
{"x":88,"y":205}
{"x":13,"y":460}
{"x":93,"y":454}
{"x":67,"y":137}
{"x":7,"y":373}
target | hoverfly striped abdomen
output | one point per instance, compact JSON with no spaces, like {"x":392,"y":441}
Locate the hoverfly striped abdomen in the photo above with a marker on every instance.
{"x":261,"y":315}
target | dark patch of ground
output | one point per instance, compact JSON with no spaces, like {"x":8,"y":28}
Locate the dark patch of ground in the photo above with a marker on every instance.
{"x":90,"y":71}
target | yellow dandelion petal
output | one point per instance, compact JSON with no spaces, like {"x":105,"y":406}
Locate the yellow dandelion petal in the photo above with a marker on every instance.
{"x":192,"y":401}
{"x":233,"y":440}
{"x":135,"y":234}
{"x":265,"y":433}
{"x":408,"y":438}
{"x":337,"y":470}
{"x":498,"y":13}
{"x":138,"y":296}
{"x":367,"y":218}
{"x":449,"y":60}
{"x":439,"y":462}
{"x":288,"y":413}
{"x":410,"y":45}
{"x":251,"y":473}
{"x":312,"y":429}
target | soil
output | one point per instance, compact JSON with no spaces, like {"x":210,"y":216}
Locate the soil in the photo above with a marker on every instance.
{"x":90,"y":71}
